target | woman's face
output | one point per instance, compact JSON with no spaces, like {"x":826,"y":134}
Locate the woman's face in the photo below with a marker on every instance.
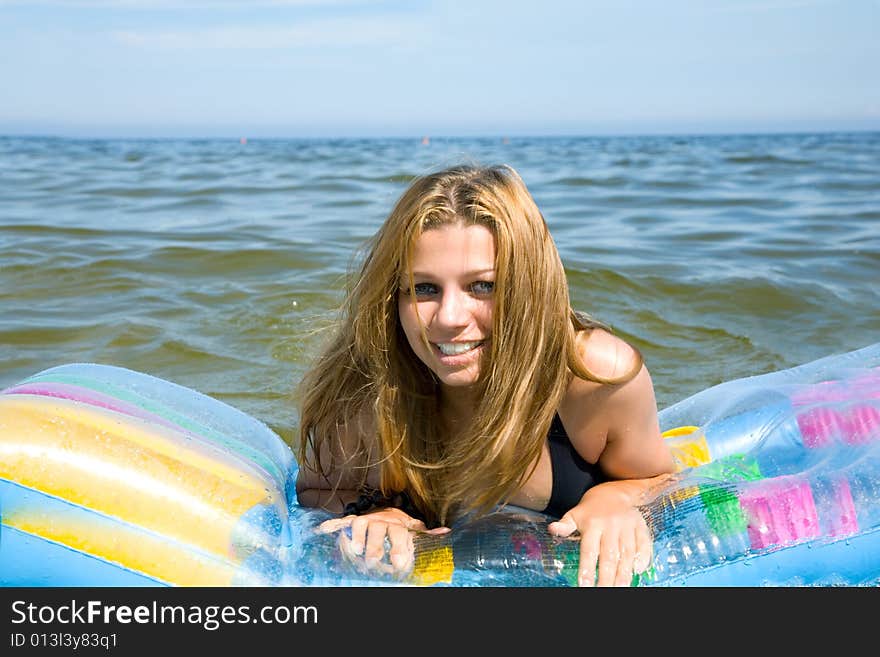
{"x":454,"y":276}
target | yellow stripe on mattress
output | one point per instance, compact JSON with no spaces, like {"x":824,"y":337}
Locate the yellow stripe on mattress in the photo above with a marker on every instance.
{"x":688,"y":446}
{"x":145,"y":474}
{"x":150,"y":555}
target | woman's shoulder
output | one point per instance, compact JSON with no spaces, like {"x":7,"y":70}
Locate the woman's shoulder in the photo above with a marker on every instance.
{"x":350,"y":437}
{"x":611,"y":420}
{"x":358,"y":429}
{"x":345,"y":452}
{"x":606,"y":355}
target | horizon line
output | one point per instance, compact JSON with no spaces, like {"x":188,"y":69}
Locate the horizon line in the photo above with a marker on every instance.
{"x":440,"y":136}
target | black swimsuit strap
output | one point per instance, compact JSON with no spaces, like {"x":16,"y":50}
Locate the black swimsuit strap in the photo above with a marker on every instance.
{"x":572,"y":475}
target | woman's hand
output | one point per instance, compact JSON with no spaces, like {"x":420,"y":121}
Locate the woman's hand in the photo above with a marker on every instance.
{"x":366,"y":547}
{"x":613,"y":533}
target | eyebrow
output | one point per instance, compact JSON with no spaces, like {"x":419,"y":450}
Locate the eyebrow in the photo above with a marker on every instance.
{"x":473,"y":272}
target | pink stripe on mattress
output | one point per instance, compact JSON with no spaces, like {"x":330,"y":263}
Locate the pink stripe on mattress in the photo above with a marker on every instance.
{"x":92,"y":398}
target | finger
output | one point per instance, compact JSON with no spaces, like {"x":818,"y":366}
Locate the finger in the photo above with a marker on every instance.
{"x":589,"y":555}
{"x":402,"y":553}
{"x":359,"y":525}
{"x":644,"y":549}
{"x":627,"y":554}
{"x":438,"y":531}
{"x":565,"y":526}
{"x":413,"y":523}
{"x":609,"y":556}
{"x":359,"y":563}
{"x":375,"y":543}
{"x":345,"y":548}
{"x":334,"y":524}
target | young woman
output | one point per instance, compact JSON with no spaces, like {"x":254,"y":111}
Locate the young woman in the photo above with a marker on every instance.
{"x":460,"y":379}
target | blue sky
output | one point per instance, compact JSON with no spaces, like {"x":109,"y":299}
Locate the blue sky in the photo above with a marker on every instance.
{"x":343,"y":68}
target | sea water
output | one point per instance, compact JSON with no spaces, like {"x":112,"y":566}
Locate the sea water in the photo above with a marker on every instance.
{"x":211,"y":263}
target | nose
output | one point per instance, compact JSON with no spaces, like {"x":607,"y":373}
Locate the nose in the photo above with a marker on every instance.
{"x":454,"y":310}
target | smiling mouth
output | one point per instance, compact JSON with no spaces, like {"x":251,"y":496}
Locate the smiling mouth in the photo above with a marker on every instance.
{"x":457,"y":348}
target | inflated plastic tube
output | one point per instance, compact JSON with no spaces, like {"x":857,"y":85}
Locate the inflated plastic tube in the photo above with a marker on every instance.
{"x":780,"y":485}
{"x":786,"y":489}
{"x":113,"y":477}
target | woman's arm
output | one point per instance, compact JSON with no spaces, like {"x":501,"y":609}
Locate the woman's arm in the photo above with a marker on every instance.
{"x":345,"y":460}
{"x":330,"y":492}
{"x":615,"y":540}
{"x":365,"y":548}
{"x":634,"y":446}
{"x":615,"y":425}
{"x":323,"y":498}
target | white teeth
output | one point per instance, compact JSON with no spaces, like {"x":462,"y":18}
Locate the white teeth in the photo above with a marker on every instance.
{"x":456,"y":348}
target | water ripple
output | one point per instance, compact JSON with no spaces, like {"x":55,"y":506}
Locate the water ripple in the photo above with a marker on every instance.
{"x":214,"y":263}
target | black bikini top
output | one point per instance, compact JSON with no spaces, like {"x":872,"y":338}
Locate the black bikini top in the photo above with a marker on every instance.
{"x":572,"y":475}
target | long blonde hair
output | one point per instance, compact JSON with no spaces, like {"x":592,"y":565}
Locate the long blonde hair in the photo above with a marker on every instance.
{"x":369,"y":367}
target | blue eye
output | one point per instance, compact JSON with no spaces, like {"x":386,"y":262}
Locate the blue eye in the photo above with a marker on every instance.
{"x":425,"y":289}
{"x":482,"y":288}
